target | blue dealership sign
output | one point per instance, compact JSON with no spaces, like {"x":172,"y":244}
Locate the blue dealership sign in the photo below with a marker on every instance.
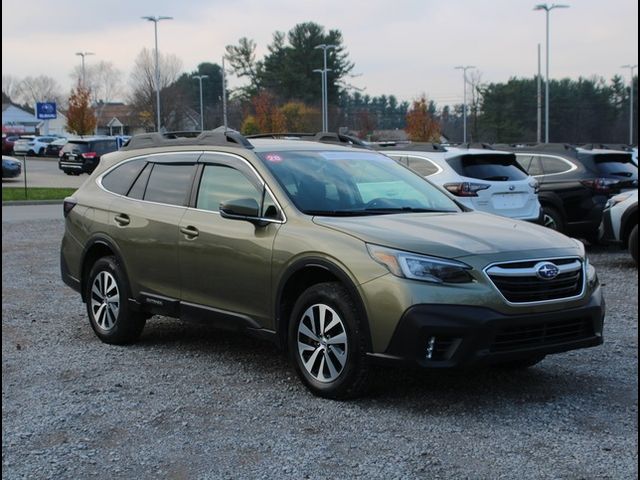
{"x":46,"y":110}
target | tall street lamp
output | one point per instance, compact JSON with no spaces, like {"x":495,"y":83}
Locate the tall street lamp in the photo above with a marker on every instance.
{"x":547,"y":8}
{"x":155,"y":21}
{"x":631,"y":69}
{"x":321,"y":72}
{"x":200,"y":77}
{"x":325,"y":111}
{"x":83,"y":54}
{"x":464,"y":69}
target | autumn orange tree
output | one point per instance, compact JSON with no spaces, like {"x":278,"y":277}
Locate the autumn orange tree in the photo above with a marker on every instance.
{"x":298,"y":117}
{"x":80,"y":117}
{"x":268,"y":117}
{"x":421,"y":127}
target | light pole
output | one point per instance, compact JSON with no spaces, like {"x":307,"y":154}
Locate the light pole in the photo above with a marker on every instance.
{"x":200,"y":77}
{"x":321,"y":72}
{"x":464,"y":69}
{"x":325,"y":110}
{"x":631,"y":69}
{"x":547,"y":8}
{"x":155,"y":21}
{"x":83,"y":54}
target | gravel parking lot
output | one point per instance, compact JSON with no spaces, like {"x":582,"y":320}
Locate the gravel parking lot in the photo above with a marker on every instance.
{"x":192,"y":402}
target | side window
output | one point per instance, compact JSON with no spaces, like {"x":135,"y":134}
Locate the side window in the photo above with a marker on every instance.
{"x":139,"y":186}
{"x":169,"y":183}
{"x":119,"y":179}
{"x":402,"y":160}
{"x":221,"y":183}
{"x":530,"y":163}
{"x":421,"y":166}
{"x":552,"y":165}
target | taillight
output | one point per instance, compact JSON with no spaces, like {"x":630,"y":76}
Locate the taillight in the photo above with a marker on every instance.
{"x":89,"y":155}
{"x":466,"y":189}
{"x":68,"y":205}
{"x":600,"y":185}
{"x":536,"y":186}
{"x":60,"y":153}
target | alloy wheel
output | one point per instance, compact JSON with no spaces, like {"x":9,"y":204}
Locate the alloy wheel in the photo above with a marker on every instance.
{"x":322,"y":343}
{"x":105,"y":300}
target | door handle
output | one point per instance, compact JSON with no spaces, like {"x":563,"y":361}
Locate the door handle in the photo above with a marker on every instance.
{"x":122,"y":219}
{"x":190,"y":232}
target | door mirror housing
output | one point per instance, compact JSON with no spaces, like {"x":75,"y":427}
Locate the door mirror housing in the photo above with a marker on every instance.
{"x":242,"y":209}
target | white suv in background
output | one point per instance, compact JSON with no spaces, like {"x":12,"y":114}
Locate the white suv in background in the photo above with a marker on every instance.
{"x":482,"y":179}
{"x":33,"y":145}
{"x":620,"y":222}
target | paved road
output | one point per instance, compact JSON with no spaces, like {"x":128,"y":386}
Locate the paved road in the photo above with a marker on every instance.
{"x":22,"y":213}
{"x":44,"y":172}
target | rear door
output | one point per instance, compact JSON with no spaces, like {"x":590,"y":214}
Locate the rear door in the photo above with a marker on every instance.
{"x":225,"y":265}
{"x":145,"y":224}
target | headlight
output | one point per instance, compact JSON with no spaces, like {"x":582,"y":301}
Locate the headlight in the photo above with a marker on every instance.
{"x":420,"y":267}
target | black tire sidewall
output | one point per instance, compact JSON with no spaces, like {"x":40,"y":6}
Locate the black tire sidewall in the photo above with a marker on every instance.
{"x":128,"y":324}
{"x":349,"y":381}
{"x":557,"y":217}
{"x":633,"y":244}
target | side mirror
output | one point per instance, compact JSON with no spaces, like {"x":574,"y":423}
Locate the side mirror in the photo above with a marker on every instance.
{"x":241,"y":209}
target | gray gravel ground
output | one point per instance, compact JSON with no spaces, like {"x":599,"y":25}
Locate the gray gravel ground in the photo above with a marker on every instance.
{"x":192,"y":402}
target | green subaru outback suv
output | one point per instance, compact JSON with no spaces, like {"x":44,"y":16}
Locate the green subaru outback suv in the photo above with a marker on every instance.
{"x":338,"y":254}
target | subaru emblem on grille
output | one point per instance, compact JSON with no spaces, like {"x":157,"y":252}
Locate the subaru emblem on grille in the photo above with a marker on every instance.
{"x":546,"y":271}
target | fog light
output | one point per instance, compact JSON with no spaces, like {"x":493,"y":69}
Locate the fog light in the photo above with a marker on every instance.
{"x":431,"y":344}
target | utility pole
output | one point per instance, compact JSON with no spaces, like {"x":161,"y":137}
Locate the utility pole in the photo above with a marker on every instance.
{"x":155,"y":21}
{"x":464,"y":69}
{"x":84,"y":54}
{"x":200,"y":77}
{"x":547,"y":8}
{"x":325,"y":109}
{"x":539,"y":133}
{"x":224,"y":96}
{"x":631,"y":69}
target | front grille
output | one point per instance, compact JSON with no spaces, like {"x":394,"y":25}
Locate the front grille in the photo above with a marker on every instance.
{"x":519,"y":282}
{"x":541,"y":334}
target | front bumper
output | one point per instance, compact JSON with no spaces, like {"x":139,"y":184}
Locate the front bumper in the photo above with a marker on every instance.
{"x":446,"y":336}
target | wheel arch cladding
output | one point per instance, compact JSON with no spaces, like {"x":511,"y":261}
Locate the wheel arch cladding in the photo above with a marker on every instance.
{"x":97,"y":248}
{"x":304,"y":274}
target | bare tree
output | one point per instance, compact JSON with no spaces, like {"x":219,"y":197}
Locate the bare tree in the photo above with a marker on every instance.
{"x":40,"y":89}
{"x":142,"y":83}
{"x":102,"y":79}
{"x":11,"y":87}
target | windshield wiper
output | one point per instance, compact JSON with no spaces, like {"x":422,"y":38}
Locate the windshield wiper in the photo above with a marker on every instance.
{"x":406,"y":210}
{"x":337,"y":213}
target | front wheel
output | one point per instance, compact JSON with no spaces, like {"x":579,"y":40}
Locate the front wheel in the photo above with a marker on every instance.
{"x":552,"y":219}
{"x":633,"y":244}
{"x":327,"y":342}
{"x":107,"y":294}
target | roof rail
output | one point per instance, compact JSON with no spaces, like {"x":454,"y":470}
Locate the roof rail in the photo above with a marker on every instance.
{"x":218,"y":137}
{"x":607,"y":146}
{"x":413,"y":146}
{"x":322,"y":137}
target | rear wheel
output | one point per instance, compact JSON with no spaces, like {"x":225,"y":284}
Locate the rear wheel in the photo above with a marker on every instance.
{"x":107,"y":293}
{"x":552,"y":219}
{"x":41,"y":152}
{"x":327,"y":342}
{"x":633,"y":244}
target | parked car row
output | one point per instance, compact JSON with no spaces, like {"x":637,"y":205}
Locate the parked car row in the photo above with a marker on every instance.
{"x":11,"y":167}
{"x":344,"y":256}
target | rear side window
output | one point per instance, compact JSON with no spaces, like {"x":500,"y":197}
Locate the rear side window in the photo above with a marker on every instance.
{"x":102,"y":148}
{"x":140,"y":185}
{"x":420,"y":165}
{"x":169,"y":183}
{"x":488,"y":167}
{"x":552,"y":165}
{"x":119,"y":179}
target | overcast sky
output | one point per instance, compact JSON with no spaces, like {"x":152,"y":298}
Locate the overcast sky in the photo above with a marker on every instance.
{"x":401,"y":47}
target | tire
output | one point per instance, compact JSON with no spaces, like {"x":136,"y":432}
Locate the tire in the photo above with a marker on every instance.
{"x":633,"y":244}
{"x":112,"y":321}
{"x":31,"y":153}
{"x":41,"y":152}
{"x":331,"y":360}
{"x":521,"y":364}
{"x":552,"y":218}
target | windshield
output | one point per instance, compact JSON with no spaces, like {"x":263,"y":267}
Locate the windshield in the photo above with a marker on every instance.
{"x":344,"y":183}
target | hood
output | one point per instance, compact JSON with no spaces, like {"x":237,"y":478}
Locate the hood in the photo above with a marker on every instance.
{"x":449,"y":235}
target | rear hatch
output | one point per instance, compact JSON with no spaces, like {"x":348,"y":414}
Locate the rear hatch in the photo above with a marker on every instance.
{"x":496,"y":183}
{"x":615,"y":172}
{"x":73,"y":151}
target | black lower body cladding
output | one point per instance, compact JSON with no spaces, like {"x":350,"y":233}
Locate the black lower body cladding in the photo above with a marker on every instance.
{"x":445,"y":336}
